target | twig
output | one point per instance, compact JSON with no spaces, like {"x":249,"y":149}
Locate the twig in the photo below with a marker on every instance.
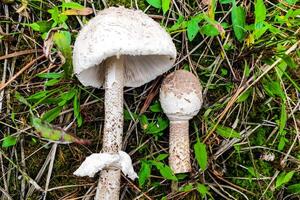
{"x":20,"y":72}
{"x":20,"y":53}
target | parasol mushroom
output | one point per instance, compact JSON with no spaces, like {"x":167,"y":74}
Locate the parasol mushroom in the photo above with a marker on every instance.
{"x":118,"y":48}
{"x":181,"y":99}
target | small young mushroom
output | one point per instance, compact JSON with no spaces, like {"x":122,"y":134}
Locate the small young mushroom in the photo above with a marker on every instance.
{"x":117,"y":48}
{"x":181,"y":99}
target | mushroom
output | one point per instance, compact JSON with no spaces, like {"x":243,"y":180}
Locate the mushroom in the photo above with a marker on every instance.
{"x":181,"y":99}
{"x":119,"y":47}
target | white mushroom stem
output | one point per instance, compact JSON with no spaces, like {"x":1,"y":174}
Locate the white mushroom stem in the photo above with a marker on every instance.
{"x":109,"y":181}
{"x":179,"y":150}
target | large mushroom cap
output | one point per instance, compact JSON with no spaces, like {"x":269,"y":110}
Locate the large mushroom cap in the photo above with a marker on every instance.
{"x":147,"y":49}
{"x":181,"y":95}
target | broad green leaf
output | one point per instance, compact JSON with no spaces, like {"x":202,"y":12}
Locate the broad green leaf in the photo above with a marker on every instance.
{"x":157,"y":127}
{"x":209,"y":30}
{"x":294,"y":188}
{"x":283,"y":178}
{"x":201,"y":154}
{"x":238,"y":18}
{"x":273,"y":89}
{"x":41,"y":26}
{"x":165,"y":5}
{"x":144,"y":173}
{"x":144,"y":121}
{"x":62,"y":40}
{"x":260,"y":11}
{"x":164,"y":170}
{"x":155,"y":3}
{"x":156,"y":108}
{"x":192,"y":29}
{"x":50,"y":75}
{"x":38,"y":95}
{"x":9,"y":141}
{"x":202,"y":189}
{"x":161,"y":156}
{"x":227,"y":132}
{"x":50,"y":115}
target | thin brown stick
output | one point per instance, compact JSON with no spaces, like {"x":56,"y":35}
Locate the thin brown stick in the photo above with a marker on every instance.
{"x":20,"y":53}
{"x":2,"y":86}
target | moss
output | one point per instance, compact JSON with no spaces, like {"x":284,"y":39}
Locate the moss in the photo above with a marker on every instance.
{"x":127,"y":3}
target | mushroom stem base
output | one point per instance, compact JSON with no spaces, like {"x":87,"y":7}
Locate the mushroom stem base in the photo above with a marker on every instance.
{"x":179,"y":150}
{"x":109,"y":181}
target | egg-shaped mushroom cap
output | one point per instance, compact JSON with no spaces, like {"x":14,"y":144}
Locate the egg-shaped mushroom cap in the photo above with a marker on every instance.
{"x":147,"y":48}
{"x":181,"y":95}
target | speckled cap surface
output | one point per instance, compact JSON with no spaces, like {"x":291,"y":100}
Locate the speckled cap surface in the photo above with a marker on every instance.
{"x":147,"y":48}
{"x":181,"y":95}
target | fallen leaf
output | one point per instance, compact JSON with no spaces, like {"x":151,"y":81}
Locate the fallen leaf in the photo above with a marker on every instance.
{"x":84,"y":11}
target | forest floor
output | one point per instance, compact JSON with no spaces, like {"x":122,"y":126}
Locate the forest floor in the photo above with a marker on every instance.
{"x":245,"y":141}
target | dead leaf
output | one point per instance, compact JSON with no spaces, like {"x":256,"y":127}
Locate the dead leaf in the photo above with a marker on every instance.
{"x":84,"y":11}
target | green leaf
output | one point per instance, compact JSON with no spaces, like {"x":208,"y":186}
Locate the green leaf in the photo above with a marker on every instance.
{"x":186,"y":188}
{"x":38,"y":95}
{"x":238,"y":18}
{"x":226,"y":1}
{"x":62,"y":40}
{"x":201,"y":154}
{"x":165,"y":5}
{"x":281,"y":144}
{"x":156,"y":108}
{"x":180,"y":24}
{"x":21,"y":99}
{"x":164,"y":170}
{"x":46,"y":131}
{"x":244,"y":96}
{"x":51,"y":114}
{"x":260,"y":11}
{"x":283,"y":118}
{"x":227,"y":132}
{"x":192,"y":29}
{"x":161,"y":156}
{"x":76,"y":105}
{"x":155,"y":3}
{"x":72,"y":5}
{"x":209,"y":30}
{"x":294,"y":188}
{"x":273,"y":89}
{"x":52,"y":82}
{"x":144,"y":122}
{"x":50,"y":75}
{"x":41,"y":26}
{"x":291,"y":2}
{"x":144,"y":173}
{"x":202,"y":189}
{"x":283,"y":178}
{"x":9,"y":141}
{"x":158,"y":127}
